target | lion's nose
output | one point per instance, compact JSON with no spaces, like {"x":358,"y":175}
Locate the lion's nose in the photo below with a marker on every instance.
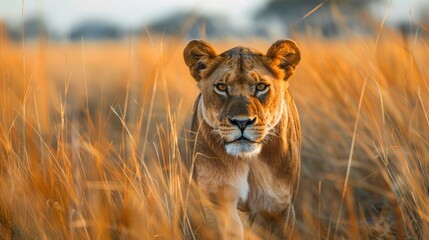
{"x":242,"y":123}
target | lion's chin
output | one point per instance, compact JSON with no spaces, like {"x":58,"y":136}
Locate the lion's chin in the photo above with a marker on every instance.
{"x":243,"y":149}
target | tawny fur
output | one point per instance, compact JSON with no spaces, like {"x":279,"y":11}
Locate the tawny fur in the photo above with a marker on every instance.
{"x":258,"y":174}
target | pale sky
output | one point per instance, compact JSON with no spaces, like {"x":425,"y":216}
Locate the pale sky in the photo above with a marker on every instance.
{"x":63,"y":14}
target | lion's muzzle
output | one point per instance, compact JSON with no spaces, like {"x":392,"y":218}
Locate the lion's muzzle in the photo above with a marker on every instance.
{"x":242,"y":123}
{"x":241,"y":139}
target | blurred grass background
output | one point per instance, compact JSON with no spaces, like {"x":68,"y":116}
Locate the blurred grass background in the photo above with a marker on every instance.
{"x":93,"y":133}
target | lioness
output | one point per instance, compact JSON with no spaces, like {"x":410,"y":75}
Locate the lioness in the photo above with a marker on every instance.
{"x":248,"y":136}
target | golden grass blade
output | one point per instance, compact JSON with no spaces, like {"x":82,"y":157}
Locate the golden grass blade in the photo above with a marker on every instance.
{"x":312,"y":11}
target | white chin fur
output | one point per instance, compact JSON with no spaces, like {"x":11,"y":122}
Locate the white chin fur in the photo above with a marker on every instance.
{"x":246,"y":150}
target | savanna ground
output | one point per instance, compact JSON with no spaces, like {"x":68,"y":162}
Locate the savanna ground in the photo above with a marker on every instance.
{"x":92,"y":138}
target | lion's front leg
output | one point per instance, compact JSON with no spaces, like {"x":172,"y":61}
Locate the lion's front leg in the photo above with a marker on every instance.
{"x":274,"y":225}
{"x":222,"y":220}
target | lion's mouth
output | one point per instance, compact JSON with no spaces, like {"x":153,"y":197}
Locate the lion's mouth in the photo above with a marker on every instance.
{"x":241,"y":139}
{"x":243,"y":147}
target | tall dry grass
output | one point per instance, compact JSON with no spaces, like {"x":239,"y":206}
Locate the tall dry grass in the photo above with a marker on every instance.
{"x":92,"y":139}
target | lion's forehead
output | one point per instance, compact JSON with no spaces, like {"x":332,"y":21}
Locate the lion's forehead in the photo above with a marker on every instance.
{"x":242,"y":65}
{"x":242,"y":59}
{"x":239,"y":50}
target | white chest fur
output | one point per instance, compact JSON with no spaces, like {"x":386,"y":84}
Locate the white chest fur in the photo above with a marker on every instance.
{"x":242,"y":185}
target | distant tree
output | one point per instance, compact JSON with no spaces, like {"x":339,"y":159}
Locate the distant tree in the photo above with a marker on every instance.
{"x":289,"y":12}
{"x":281,"y":7}
{"x":35,"y":27}
{"x":95,"y":30}
{"x":174,"y":24}
{"x":192,"y":25}
{"x":32,"y":28}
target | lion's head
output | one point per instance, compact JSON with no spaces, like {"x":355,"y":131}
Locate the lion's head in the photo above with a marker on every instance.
{"x":242,"y":91}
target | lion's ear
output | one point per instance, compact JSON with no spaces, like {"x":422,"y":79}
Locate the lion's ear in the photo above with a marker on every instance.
{"x":197,"y":54}
{"x":285,"y":55}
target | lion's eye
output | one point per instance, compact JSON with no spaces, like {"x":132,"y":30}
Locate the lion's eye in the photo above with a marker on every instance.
{"x":261,"y":87}
{"x":221,"y":87}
